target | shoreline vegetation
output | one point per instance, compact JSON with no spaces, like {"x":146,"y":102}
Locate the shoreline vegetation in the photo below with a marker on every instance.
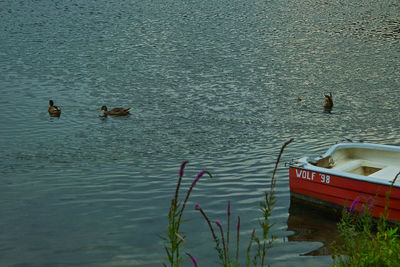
{"x":363,"y":241}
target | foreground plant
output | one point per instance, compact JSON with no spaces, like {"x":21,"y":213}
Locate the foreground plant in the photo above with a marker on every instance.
{"x":262,"y":243}
{"x":364,"y":242}
{"x":221,"y":253}
{"x":175,"y":239}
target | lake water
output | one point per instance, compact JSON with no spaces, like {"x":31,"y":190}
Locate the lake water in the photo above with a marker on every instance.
{"x":212,"y":82}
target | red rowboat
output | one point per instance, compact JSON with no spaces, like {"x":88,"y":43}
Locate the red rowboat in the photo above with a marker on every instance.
{"x":348,"y":171}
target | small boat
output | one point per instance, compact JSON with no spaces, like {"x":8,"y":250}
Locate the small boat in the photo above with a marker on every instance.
{"x":349,"y":171}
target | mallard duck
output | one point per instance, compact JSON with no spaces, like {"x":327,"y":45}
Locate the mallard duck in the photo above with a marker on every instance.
{"x":54,"y":111}
{"x":115,"y":111}
{"x":328,"y":103}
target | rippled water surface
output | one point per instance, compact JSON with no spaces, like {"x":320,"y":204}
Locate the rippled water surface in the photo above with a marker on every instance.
{"x":212,"y":82}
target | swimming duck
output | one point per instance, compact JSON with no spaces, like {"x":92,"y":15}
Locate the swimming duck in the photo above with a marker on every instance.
{"x":328,"y":103}
{"x":54,"y":111}
{"x":115,"y":111}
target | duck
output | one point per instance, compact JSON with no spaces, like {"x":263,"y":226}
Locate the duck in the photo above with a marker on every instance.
{"x":115,"y":111}
{"x":328,"y":103}
{"x":54,"y":111}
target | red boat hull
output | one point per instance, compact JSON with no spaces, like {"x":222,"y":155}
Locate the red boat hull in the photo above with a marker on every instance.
{"x":341,"y":191}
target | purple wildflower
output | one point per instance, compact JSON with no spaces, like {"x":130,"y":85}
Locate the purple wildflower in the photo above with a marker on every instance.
{"x":371,"y":203}
{"x":228,"y":211}
{"x":354,"y":204}
{"x":223,"y":240}
{"x":183,"y":164}
{"x":237,"y":239}
{"x":209,"y":224}
{"x":197,"y":207}
{"x":193,"y":259}
{"x":199,"y":175}
{"x":178,"y":185}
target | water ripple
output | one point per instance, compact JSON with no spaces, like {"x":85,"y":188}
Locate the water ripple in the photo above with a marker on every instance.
{"x":217,"y":85}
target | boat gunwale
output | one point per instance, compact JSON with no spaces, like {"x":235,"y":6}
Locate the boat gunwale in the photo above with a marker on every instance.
{"x":339,"y":146}
{"x":304,"y":163}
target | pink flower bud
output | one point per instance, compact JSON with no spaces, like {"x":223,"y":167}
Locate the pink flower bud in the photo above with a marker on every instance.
{"x":199,"y":175}
{"x":183,"y":164}
{"x":238,"y":224}
{"x":193,"y":259}
{"x":354,"y":204}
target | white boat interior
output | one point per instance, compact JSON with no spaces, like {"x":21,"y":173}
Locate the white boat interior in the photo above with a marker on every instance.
{"x":372,"y":160}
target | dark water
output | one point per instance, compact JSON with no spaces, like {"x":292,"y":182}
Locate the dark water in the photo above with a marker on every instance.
{"x":212,"y":82}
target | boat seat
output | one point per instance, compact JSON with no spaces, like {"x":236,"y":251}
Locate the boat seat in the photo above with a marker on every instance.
{"x":361,"y":167}
{"x":387,"y":173}
{"x":348,"y":165}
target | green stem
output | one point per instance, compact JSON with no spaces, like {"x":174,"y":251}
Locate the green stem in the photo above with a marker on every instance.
{"x":237,"y":240}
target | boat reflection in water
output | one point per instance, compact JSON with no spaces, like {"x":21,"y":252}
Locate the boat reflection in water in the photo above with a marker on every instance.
{"x":313,"y":223}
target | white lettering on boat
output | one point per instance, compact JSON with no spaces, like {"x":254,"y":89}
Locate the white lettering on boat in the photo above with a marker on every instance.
{"x":309,"y":175}
{"x":325,"y":178}
{"x":305,"y":174}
